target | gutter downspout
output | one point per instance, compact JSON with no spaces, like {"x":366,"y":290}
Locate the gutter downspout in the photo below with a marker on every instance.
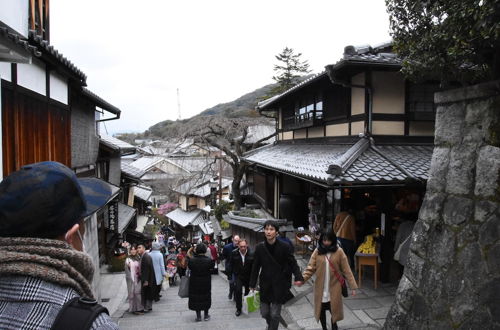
{"x":329,"y":70}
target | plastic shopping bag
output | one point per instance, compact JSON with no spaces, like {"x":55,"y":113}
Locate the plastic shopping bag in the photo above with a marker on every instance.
{"x":164,"y":284}
{"x":184,"y":287}
{"x":251,"y":302}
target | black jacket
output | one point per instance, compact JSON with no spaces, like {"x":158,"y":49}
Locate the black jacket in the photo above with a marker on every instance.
{"x":200,"y":282}
{"x":148,"y":275}
{"x":240,"y":270}
{"x":276,"y":271}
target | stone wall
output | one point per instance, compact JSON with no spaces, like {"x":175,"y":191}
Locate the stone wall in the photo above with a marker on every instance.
{"x":452,"y":280}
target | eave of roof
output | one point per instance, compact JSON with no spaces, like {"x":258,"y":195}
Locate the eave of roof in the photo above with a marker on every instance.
{"x":101,"y":103}
{"x":18,"y":48}
{"x":359,"y":164}
{"x":58,"y":58}
{"x":265,"y":105}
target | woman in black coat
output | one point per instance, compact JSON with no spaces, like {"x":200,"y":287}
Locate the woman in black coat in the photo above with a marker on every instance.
{"x":200,"y":282}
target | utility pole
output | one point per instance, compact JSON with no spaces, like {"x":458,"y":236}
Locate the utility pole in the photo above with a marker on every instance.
{"x":178,"y":105}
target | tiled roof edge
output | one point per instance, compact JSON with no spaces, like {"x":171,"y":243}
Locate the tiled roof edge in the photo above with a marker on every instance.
{"x":342,"y":164}
{"x":17,"y":40}
{"x":49,"y":49}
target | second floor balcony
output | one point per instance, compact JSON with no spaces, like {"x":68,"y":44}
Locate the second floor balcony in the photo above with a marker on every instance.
{"x":303,"y":120}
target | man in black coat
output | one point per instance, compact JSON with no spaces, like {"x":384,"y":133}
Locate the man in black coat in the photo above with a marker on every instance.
{"x":276,"y":263}
{"x":148,"y":279}
{"x":241,"y":269}
{"x":226,"y":255}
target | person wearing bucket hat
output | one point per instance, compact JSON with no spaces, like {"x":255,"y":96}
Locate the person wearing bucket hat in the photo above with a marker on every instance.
{"x":42,"y":260}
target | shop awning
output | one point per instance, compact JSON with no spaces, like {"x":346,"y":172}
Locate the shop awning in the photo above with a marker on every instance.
{"x":184,"y":218}
{"x":125,"y":216}
{"x":359,"y":163}
{"x":249,"y":225}
{"x":143,"y":192}
{"x":206,"y":228}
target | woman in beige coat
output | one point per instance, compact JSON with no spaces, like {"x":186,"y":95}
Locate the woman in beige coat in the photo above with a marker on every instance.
{"x":327,"y":288}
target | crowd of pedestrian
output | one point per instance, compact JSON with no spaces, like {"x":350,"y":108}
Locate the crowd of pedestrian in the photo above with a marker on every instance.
{"x":268,"y":268}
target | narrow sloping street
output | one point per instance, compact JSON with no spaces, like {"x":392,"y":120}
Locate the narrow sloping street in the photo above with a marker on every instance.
{"x":172,"y":312}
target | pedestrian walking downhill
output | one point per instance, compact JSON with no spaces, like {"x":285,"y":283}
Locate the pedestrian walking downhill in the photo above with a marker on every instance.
{"x":226,"y":255}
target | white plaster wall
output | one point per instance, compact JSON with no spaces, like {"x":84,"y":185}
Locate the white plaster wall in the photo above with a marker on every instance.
{"x":32,"y":76}
{"x":15,"y":13}
{"x":288,"y":135}
{"x":357,"y":127}
{"x":315,"y":132}
{"x":300,"y":134}
{"x":5,"y":71}
{"x":388,"y":128}
{"x":337,"y":130}
{"x":358,"y":94}
{"x":388,"y":92}
{"x":58,"y":88}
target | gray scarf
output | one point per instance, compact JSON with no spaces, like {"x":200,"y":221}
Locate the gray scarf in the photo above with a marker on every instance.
{"x":47,"y":259}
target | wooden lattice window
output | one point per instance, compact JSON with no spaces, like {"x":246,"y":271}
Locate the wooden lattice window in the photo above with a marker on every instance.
{"x":39,"y":18}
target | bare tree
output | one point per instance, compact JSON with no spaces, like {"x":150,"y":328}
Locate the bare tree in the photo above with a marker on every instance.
{"x":231,"y":136}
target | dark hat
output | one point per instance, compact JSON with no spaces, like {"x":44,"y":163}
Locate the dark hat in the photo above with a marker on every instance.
{"x":46,"y":199}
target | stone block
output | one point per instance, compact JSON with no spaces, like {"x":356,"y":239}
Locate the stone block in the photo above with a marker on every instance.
{"x":489,"y":295}
{"x":405,"y":293}
{"x":444,"y":246}
{"x":431,"y":207}
{"x":414,"y":268}
{"x":449,"y":124}
{"x":489,"y":231}
{"x":457,"y":210}
{"x":420,"y":236}
{"x":477,"y":120}
{"x":460,"y":176}
{"x":438,"y":169}
{"x":493,"y":259}
{"x":488,"y":172}
{"x":486,"y":211}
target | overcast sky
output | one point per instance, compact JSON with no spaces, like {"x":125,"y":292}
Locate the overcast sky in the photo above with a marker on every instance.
{"x":137,"y":53}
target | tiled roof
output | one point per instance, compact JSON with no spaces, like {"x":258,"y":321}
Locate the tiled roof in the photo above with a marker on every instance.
{"x":184,"y":218}
{"x":146,"y":163}
{"x":264,"y":104}
{"x":199,"y":187}
{"x":101,"y":102}
{"x":143,"y":192}
{"x":43,"y":45}
{"x":125,"y":215}
{"x":308,"y":160}
{"x":16,"y":43}
{"x":414,"y":159}
{"x":376,"y":164}
{"x":193,"y":164}
{"x":117,"y":144}
{"x":132,"y":171}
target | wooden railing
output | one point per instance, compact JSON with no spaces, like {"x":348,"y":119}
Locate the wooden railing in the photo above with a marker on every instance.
{"x":303,"y":120}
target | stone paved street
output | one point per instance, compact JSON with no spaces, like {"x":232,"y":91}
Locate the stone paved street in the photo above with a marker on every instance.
{"x":367,"y":310}
{"x":172,"y":312}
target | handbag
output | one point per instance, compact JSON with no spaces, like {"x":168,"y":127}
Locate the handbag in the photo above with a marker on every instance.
{"x":184,"y":286}
{"x":339,"y":277}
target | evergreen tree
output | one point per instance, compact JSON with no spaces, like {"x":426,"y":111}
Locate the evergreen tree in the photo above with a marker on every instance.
{"x":288,"y":69}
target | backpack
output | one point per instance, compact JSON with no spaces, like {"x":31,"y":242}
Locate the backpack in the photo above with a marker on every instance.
{"x":78,"y":313}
